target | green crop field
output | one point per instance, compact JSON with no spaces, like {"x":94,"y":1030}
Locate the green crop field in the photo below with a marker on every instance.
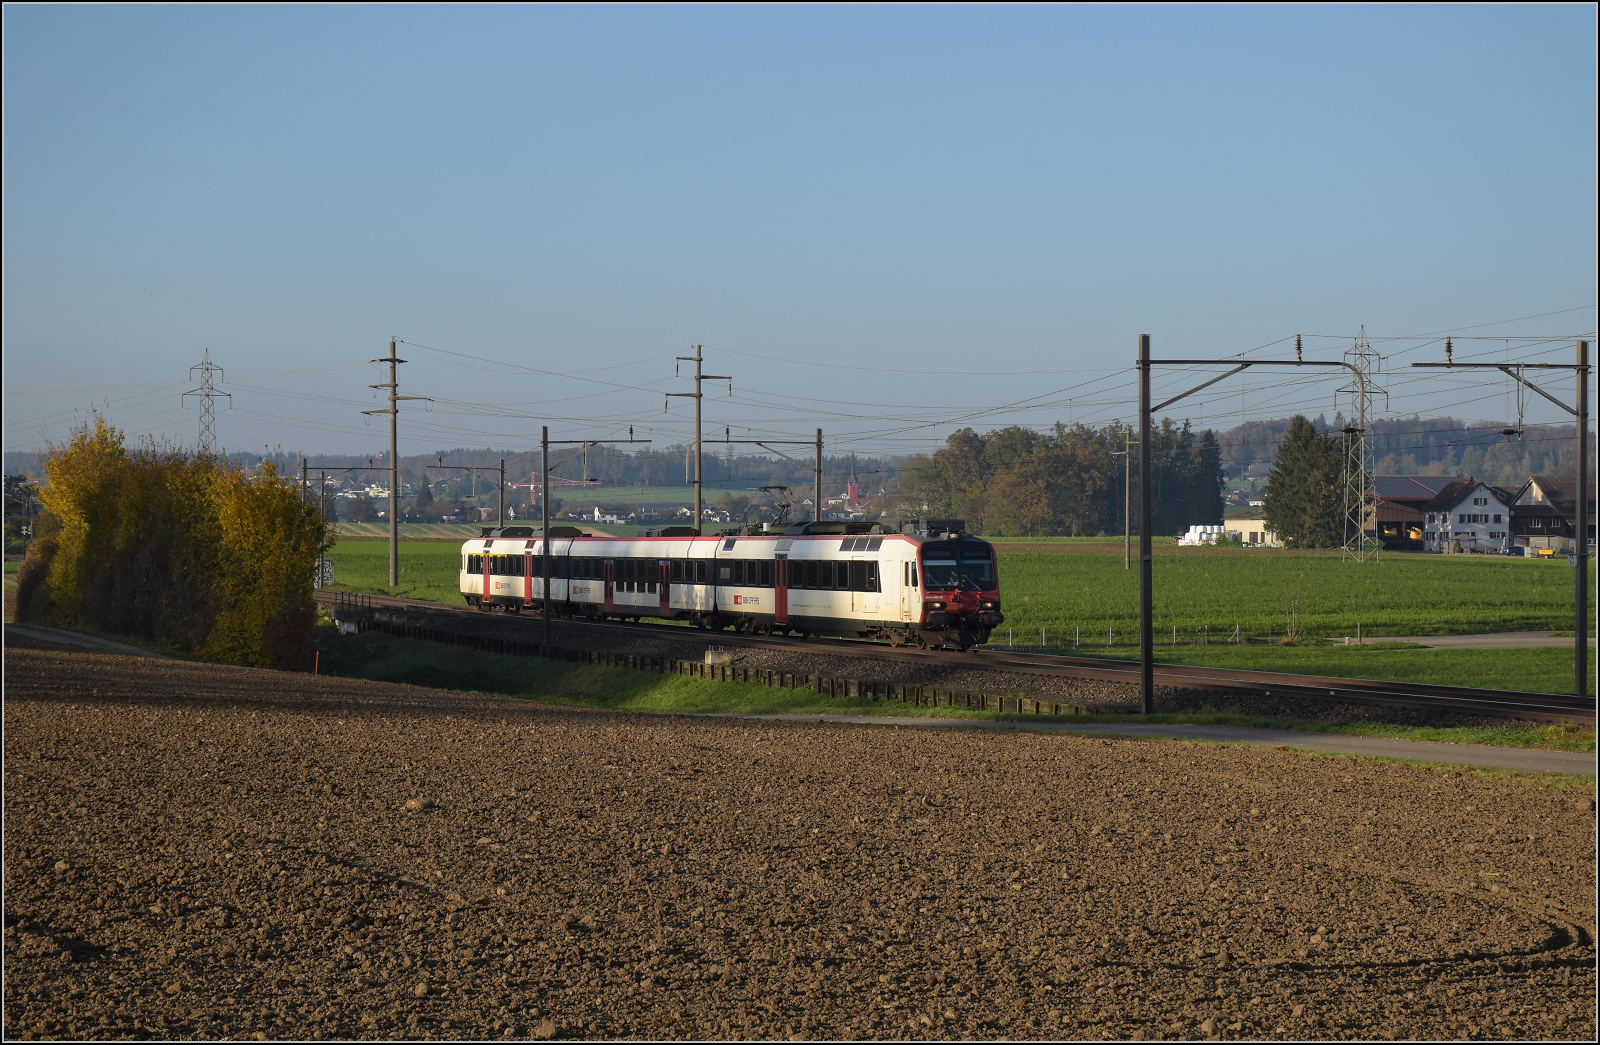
{"x":428,"y":569}
{"x":1254,"y":590}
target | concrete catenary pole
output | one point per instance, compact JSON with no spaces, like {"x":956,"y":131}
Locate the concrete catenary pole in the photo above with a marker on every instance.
{"x":1147,"y":667}
{"x":1581,"y":623}
{"x":816,"y":482}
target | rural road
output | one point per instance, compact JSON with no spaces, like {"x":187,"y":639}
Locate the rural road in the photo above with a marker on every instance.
{"x":72,"y":638}
{"x":1529,"y":760}
{"x":1494,"y":640}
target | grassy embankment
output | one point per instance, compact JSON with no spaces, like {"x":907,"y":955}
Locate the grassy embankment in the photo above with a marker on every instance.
{"x":1397,"y":595}
{"x":389,"y":659}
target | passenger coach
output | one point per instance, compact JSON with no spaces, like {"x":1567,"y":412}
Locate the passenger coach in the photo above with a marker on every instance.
{"x":929,"y":584}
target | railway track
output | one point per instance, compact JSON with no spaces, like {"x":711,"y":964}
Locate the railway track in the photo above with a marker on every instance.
{"x":1553,"y":707}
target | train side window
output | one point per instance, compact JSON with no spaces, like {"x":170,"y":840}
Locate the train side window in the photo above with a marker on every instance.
{"x":825,"y":572}
{"x":700,"y":570}
{"x":811,"y":574}
{"x":766,"y":573}
{"x":872,"y":577}
{"x":913,"y":574}
{"x":724,"y":573}
{"x":874,"y":544}
{"x":858,"y":576}
{"x":738,"y":571}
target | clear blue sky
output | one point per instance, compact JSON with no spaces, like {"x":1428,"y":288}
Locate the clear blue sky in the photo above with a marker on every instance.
{"x":881,"y":220}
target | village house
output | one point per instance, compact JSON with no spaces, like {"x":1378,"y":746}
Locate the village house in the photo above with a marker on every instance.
{"x":1467,"y":516}
{"x":1544,"y":514}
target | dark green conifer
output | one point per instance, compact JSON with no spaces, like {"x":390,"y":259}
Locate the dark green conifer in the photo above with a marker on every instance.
{"x":1305,"y":492}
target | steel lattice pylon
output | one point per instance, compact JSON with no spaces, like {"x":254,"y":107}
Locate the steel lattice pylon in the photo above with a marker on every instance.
{"x":1360,"y":501}
{"x":208,"y":416}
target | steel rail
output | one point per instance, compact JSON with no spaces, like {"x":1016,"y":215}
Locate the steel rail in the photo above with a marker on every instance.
{"x":1487,"y":702}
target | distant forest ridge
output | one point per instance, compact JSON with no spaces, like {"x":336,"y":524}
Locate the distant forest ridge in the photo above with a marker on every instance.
{"x":1404,"y":446}
{"x":1421,"y":446}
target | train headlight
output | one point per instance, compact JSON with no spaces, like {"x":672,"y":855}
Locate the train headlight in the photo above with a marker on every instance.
{"x":991,"y":605}
{"x":935,"y":605}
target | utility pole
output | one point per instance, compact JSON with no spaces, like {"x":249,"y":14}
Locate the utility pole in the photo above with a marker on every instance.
{"x":208,"y":416}
{"x":393,"y":385}
{"x":544,"y":498}
{"x":501,"y":517}
{"x":1127,"y":495}
{"x":697,"y":359}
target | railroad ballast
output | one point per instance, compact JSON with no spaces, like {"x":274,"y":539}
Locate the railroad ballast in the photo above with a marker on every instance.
{"x":928,"y":583}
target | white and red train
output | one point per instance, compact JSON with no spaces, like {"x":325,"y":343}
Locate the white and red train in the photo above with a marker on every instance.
{"x":931,"y":585}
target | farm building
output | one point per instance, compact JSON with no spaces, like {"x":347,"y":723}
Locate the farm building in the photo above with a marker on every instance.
{"x":1398,"y":522}
{"x":1544,"y":511}
{"x":1253,"y":529}
{"x":1467,"y":516}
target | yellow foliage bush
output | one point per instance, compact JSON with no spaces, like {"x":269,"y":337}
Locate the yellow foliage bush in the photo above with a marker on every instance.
{"x":185,"y":551}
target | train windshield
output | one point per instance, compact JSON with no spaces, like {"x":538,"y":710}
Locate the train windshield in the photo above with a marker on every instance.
{"x":951,"y":566}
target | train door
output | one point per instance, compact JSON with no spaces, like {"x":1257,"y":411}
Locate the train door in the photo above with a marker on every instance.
{"x":780,"y":589}
{"x":664,"y":587}
{"x":488,"y":578}
{"x":907,"y":571}
{"x":527,"y":578}
{"x":864,"y":587}
{"x":611,"y":582}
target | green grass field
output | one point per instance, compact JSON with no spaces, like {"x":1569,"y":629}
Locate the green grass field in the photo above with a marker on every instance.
{"x":1397,"y":595}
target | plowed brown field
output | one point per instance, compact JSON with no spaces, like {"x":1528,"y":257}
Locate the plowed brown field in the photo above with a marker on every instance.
{"x":202,"y":851}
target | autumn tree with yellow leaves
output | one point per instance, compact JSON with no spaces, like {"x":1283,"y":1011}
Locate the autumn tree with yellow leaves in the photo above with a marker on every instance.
{"x":185,"y":551}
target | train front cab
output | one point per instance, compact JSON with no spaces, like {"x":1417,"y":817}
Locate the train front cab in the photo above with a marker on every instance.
{"x":960,"y":586}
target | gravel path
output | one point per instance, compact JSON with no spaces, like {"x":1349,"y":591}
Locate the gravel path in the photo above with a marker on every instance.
{"x":197,"y":851}
{"x":1526,"y":760}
